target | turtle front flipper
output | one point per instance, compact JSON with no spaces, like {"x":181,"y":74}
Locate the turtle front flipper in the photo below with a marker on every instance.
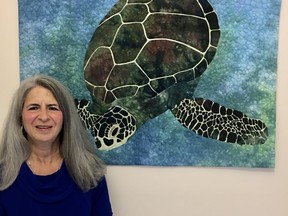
{"x":110,"y":130}
{"x":211,"y":120}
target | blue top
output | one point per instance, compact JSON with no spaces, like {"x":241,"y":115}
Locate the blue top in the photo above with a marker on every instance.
{"x":55,"y":194}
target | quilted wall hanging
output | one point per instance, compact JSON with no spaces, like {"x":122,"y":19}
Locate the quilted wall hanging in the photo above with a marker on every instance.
{"x":162,"y":82}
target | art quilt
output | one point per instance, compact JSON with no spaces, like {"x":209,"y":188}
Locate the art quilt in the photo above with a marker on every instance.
{"x":163,"y":82}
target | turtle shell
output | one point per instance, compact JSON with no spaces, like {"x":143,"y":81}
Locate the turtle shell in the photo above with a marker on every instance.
{"x":141,"y":48}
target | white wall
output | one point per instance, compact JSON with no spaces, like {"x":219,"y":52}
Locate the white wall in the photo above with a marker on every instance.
{"x":151,"y":191}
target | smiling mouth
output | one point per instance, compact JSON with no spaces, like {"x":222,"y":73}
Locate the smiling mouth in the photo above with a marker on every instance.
{"x":43,"y":127}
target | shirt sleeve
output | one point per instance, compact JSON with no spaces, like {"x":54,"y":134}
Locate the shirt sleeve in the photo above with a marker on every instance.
{"x":101,"y":205}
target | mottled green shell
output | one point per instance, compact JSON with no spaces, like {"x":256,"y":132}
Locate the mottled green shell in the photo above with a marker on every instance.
{"x":141,"y":48}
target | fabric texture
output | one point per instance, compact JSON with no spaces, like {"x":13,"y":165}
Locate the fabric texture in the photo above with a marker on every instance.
{"x":55,"y":194}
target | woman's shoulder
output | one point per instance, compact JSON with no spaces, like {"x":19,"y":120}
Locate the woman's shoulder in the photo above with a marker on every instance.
{"x":100,"y":198}
{"x":101,"y":185}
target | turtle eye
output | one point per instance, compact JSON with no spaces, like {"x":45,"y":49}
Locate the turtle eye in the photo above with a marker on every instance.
{"x":114,"y":131}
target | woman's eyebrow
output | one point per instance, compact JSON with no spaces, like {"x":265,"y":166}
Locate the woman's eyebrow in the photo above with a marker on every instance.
{"x":36,"y":104}
{"x":32,"y":104}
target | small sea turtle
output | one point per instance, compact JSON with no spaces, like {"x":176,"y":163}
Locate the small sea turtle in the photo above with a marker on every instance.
{"x":146,"y":57}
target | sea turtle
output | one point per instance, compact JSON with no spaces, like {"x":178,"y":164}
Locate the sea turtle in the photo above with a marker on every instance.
{"x":146,"y":57}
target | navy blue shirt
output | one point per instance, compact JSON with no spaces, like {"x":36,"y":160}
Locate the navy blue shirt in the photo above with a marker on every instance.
{"x":55,"y":194}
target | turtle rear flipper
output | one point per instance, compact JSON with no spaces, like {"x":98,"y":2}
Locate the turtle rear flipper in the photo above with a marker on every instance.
{"x":211,"y":120}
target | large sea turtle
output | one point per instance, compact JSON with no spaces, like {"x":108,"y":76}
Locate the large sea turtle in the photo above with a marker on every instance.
{"x":146,"y":57}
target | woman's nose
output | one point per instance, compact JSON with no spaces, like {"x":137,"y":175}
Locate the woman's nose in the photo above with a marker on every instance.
{"x":43,"y":115}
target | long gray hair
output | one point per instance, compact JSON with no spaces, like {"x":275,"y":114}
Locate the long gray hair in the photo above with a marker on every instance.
{"x":80,"y":157}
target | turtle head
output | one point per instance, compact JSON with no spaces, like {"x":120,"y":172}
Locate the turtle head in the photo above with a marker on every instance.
{"x":110,"y":130}
{"x":114,"y":128}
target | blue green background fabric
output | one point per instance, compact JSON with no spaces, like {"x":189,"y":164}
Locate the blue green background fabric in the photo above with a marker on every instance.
{"x":54,"y":36}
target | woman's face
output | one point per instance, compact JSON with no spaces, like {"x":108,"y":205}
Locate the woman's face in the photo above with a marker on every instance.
{"x":41,"y":117}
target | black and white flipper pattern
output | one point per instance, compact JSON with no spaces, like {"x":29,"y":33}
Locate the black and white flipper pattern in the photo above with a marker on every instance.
{"x":210,"y":119}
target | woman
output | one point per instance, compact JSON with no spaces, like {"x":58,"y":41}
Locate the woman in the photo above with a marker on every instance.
{"x":47,"y":164}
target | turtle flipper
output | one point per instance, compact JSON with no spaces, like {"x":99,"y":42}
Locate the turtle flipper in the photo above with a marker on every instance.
{"x":110,"y":130}
{"x":211,"y":120}
{"x":86,"y":116}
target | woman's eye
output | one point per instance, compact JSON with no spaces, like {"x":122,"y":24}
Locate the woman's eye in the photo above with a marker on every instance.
{"x":54,"y":108}
{"x":33,"y":108}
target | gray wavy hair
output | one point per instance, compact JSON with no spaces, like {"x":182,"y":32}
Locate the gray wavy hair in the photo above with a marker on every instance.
{"x":80,"y":157}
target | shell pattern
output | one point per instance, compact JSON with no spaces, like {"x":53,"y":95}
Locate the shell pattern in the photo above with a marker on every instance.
{"x":146,"y":57}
